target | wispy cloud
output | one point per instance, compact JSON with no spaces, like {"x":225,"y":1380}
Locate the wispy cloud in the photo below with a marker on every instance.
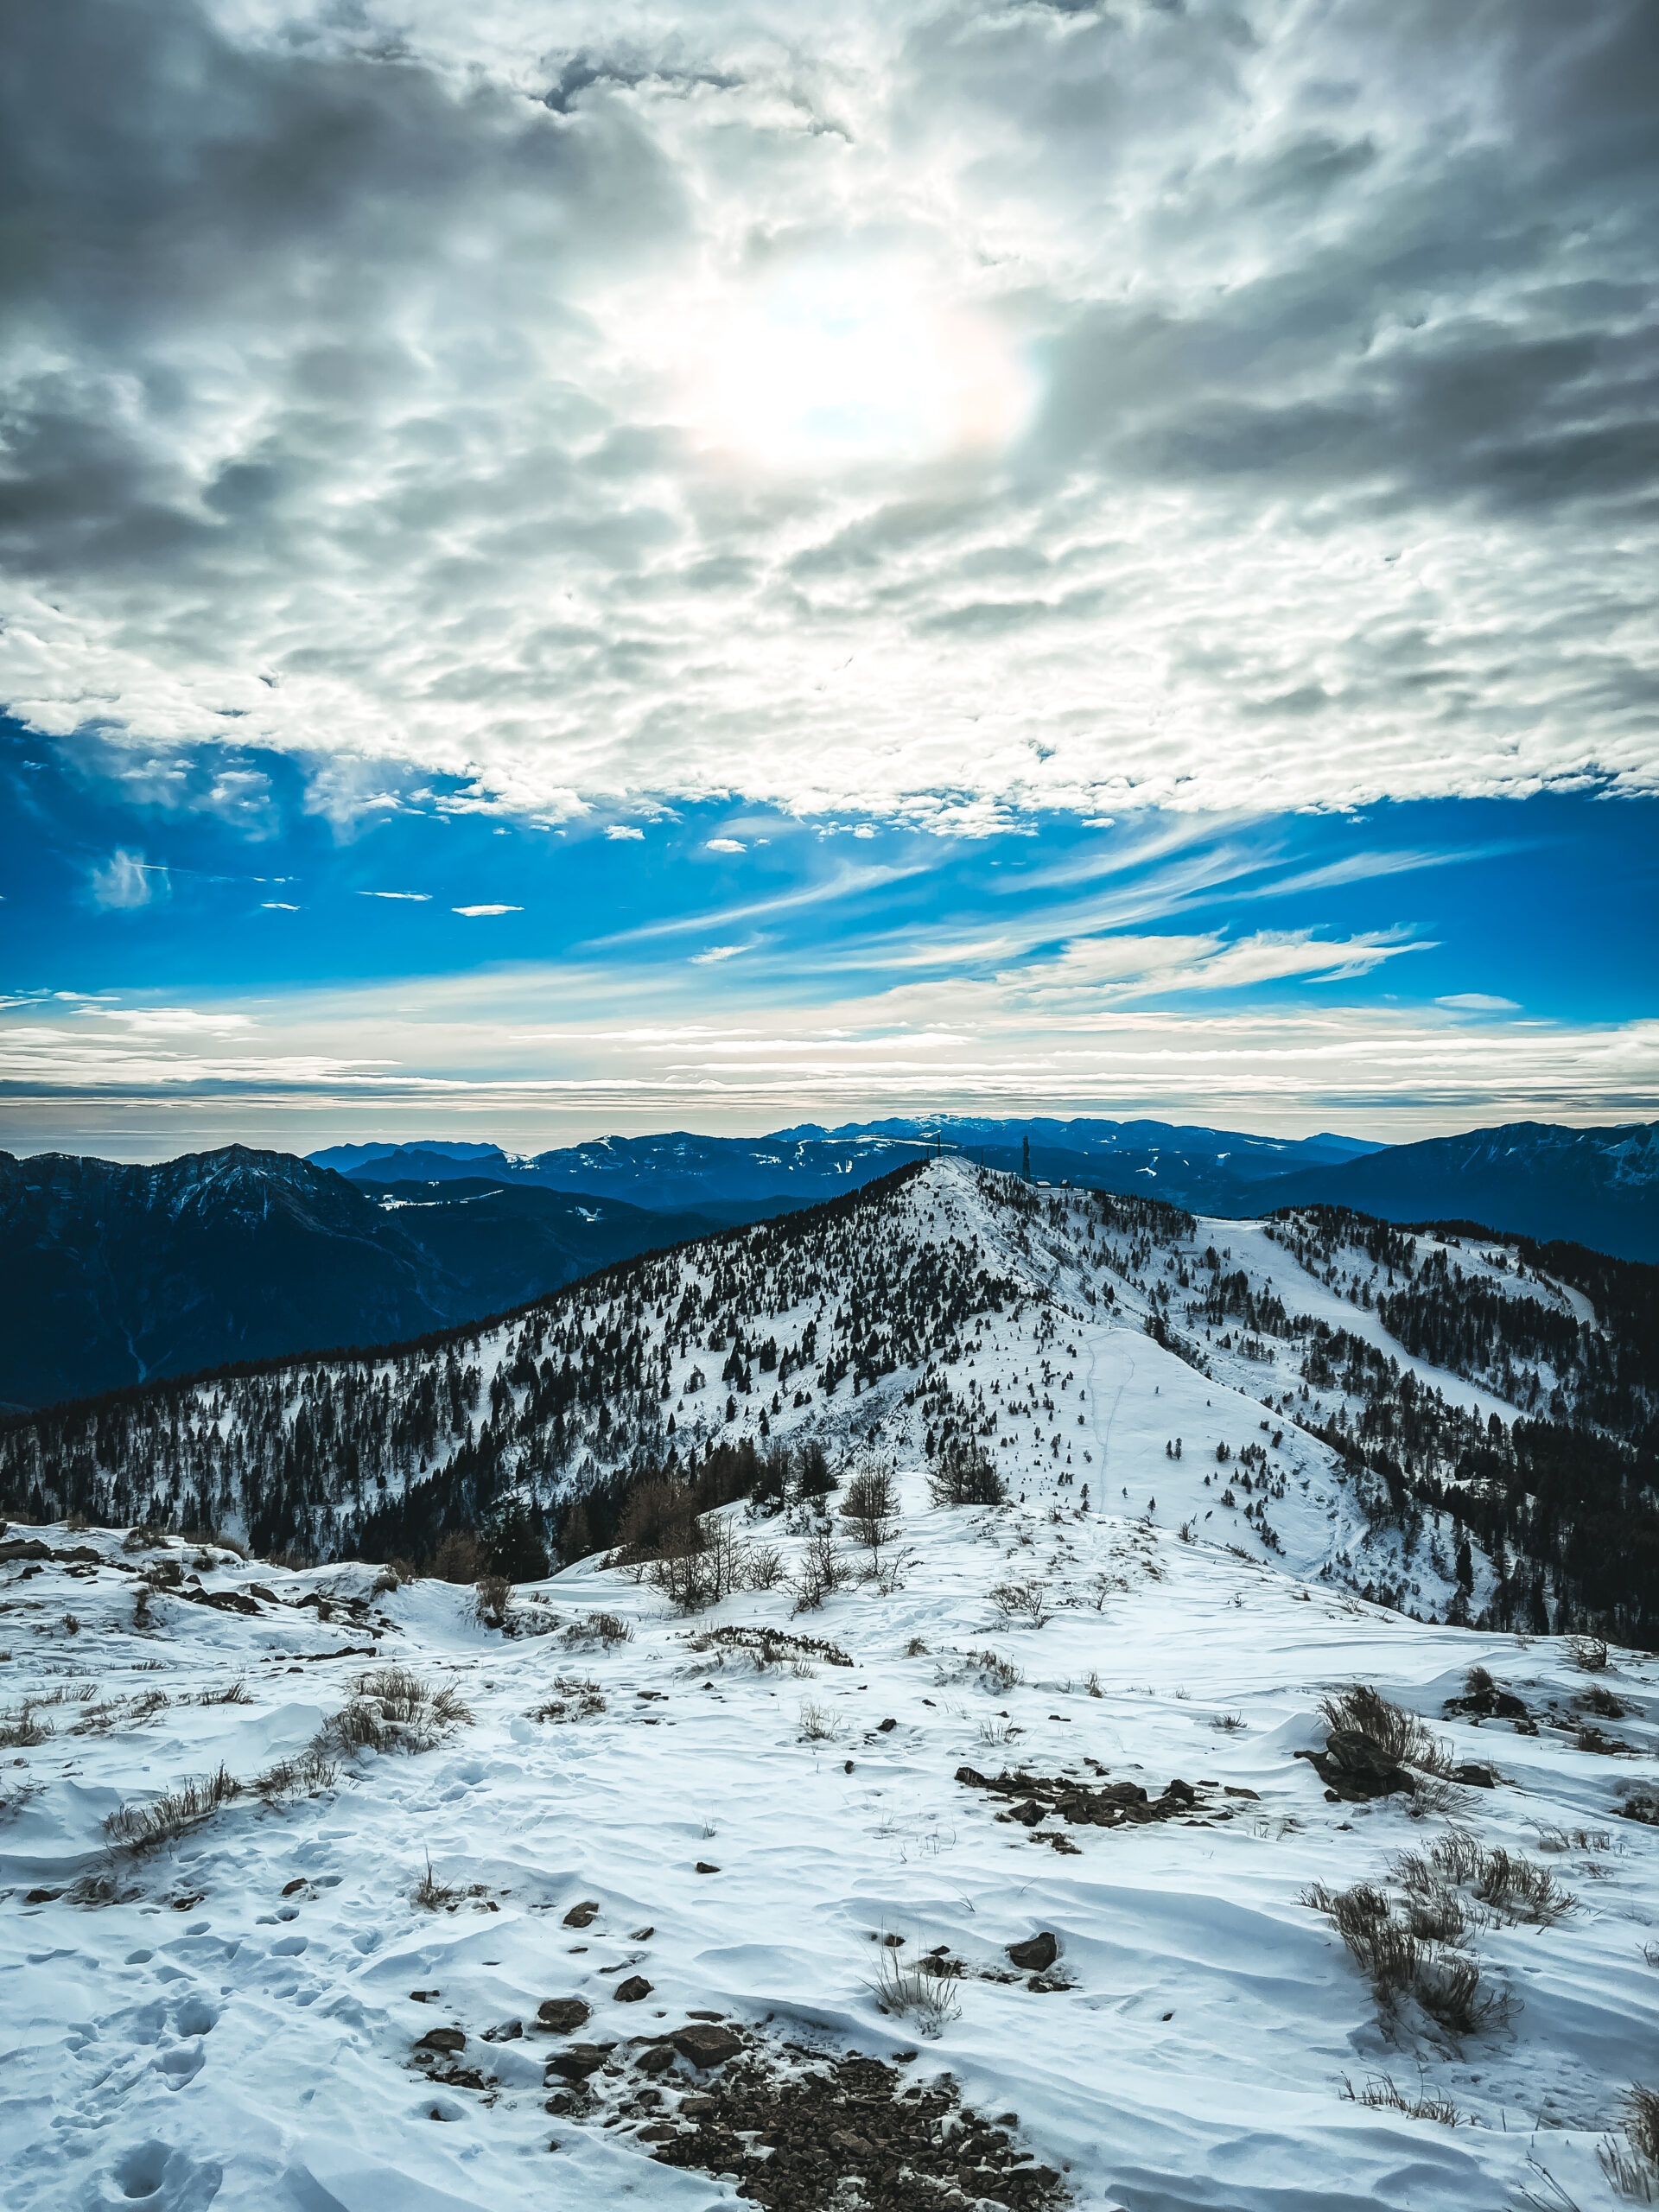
{"x":719,"y":953}
{"x":619,"y":832}
{"x":471,"y":911}
{"x":1477,"y":1003}
{"x":413,"y":897}
{"x":126,"y":881}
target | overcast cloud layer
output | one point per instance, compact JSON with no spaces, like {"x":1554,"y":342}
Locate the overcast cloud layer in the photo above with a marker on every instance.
{"x":938,"y":412}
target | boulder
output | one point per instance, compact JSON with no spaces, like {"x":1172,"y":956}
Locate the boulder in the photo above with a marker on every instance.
{"x":1352,"y":1765}
{"x":579,"y":2061}
{"x":1035,"y":1955}
{"x":442,"y":2039}
{"x":562,"y":2016}
{"x":706,"y":2046}
{"x":583,"y":1915}
{"x":631,"y":1991}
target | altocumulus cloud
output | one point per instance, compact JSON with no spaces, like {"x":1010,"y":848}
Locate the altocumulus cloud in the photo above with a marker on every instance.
{"x":1235,"y":405}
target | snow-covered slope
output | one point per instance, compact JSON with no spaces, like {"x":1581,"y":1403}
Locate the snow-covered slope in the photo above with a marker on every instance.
{"x":1236,"y":1381}
{"x":693,"y":1824}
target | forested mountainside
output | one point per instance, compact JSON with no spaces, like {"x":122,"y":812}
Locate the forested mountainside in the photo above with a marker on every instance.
{"x":111,"y":1275}
{"x":1456,"y":1427}
{"x":1597,"y":1188}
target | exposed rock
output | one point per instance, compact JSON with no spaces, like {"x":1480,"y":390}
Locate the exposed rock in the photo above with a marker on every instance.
{"x":562,"y":2016}
{"x":442,"y":2039}
{"x":631,"y":1991}
{"x":1036,"y":1955}
{"x":581,"y":2059}
{"x":706,"y":2046}
{"x":1351,"y":1765}
{"x":1475,"y":1777}
{"x":583,"y":1915}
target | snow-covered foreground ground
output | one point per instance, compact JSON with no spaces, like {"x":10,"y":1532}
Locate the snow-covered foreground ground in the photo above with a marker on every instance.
{"x":236,"y":2026}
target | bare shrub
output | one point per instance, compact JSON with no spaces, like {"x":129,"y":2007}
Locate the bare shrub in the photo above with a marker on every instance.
{"x":929,"y":2001}
{"x":1399,"y":1735}
{"x":763,"y":1569}
{"x":1589,"y":1652}
{"x":599,"y":1628}
{"x":964,"y":1474}
{"x":693,"y":1575}
{"x":822,"y":1569}
{"x":994,"y":1734}
{"x":141,"y":1599}
{"x":916,"y":1648}
{"x":1025,"y":1603}
{"x":869,"y":1506}
{"x":139,"y":1827}
{"x":1091,"y":1683}
{"x":996,"y":1672}
{"x":1227,"y":1723}
{"x":493,"y":1600}
{"x":1601,"y":1701}
{"x":459,"y":1558}
{"x":20,"y":1730}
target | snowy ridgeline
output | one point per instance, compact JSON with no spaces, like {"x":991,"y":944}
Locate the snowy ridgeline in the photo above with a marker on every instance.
{"x":1002,"y":1877}
{"x":1379,"y":1408}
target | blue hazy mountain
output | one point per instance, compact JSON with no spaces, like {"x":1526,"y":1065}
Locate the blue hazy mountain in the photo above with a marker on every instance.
{"x":111,"y":1275}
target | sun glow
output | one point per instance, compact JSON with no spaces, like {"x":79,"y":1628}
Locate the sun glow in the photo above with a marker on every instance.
{"x":831,"y":367}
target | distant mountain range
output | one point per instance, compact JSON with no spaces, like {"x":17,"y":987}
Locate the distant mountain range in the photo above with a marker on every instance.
{"x":1218,"y":1169}
{"x":113,"y":1275}
{"x":1598,"y":1187}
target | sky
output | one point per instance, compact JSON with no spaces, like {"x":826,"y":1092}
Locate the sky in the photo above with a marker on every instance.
{"x":573,"y":569}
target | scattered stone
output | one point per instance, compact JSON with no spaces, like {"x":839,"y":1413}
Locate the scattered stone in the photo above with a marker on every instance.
{"x":631,"y":1991}
{"x":298,"y":1883}
{"x":509,"y":2032}
{"x":794,"y":2140}
{"x":885,"y":1727}
{"x":704,"y":1868}
{"x":706,"y":2046}
{"x":562,"y":2016}
{"x":642,"y":1935}
{"x":657,"y":2060}
{"x":1035,"y":1955}
{"x":1475,"y":1777}
{"x":579,"y":2061}
{"x":442,"y":2039}
{"x":1491,"y":1703}
{"x":42,"y":1896}
{"x":1112,"y":1805}
{"x":583,"y":1915}
{"x":423,"y":1996}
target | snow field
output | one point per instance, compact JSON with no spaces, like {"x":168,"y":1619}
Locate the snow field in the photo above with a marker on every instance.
{"x":237,"y":2028}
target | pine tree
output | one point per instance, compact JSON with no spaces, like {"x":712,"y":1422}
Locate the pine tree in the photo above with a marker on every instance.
{"x":1025,"y":1159}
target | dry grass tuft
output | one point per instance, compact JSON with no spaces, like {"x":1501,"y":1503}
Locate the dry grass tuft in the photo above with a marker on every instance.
{"x":1381,"y":2093}
{"x":574,"y":1699}
{"x":928,"y":2000}
{"x":1399,"y":1735}
{"x":140,"y":1828}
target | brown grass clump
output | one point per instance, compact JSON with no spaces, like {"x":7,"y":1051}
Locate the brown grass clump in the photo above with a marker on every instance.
{"x":140,"y":1828}
{"x":1399,"y":1735}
